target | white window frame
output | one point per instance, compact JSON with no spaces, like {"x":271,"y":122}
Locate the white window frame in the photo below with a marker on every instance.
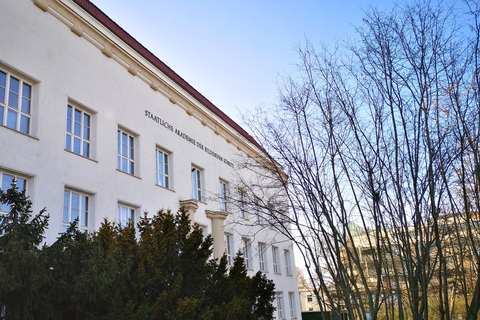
{"x":288,"y":266}
{"x":247,"y":252}
{"x":262,"y":256}
{"x":280,"y":305}
{"x":197,"y":183}
{"x":16,"y":104}
{"x":6,"y":179}
{"x":125,"y":214}
{"x":241,"y":204}
{"x":223,"y":192}
{"x":83,"y":210}
{"x":276,"y":260}
{"x":229,"y":248}
{"x":293,"y":309}
{"x":162,"y":168}
{"x":83,"y":135}
{"x":125,"y":151}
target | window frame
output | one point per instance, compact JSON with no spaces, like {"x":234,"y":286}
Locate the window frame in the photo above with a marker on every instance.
{"x":129,"y":157}
{"x":276,"y":260}
{"x":223,"y":193}
{"x":228,"y":238}
{"x":70,"y":136}
{"x":262,"y":257}
{"x":288,"y":265}
{"x":131,"y":212}
{"x":247,"y":253}
{"x":18,"y":110}
{"x":163,"y":172}
{"x":197,"y":183}
{"x":280,"y":305}
{"x":67,"y":209}
{"x":241,"y":195}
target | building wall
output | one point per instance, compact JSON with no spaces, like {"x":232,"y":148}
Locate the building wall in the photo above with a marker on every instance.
{"x":61,"y":51}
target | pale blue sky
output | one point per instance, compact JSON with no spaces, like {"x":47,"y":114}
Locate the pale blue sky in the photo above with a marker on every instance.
{"x":233,"y":51}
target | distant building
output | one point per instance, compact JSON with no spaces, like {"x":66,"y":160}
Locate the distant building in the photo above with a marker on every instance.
{"x":93,"y":125}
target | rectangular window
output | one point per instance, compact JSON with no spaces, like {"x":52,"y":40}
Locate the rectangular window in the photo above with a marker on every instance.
{"x":256,"y":210}
{"x":125,"y":214}
{"x":223,"y":195}
{"x":197,"y":183}
{"x":291,"y":300}
{"x":262,"y":256}
{"x":229,"y":249}
{"x":6,"y":180}
{"x":309,"y":298}
{"x":288,"y":268}
{"x":78,"y":131}
{"x":76,"y":206}
{"x":276,"y":260}
{"x":162,"y":168}
{"x":15,"y":102}
{"x":241,"y":204}
{"x":125,"y":152}
{"x":246,"y":250}
{"x":280,"y":307}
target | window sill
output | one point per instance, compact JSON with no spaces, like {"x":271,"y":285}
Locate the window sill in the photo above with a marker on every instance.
{"x":87,"y":158}
{"x":164,"y":188}
{"x":129,"y":174}
{"x":20,"y":132}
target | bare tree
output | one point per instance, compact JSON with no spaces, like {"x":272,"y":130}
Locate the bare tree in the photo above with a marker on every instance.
{"x":374,"y":166}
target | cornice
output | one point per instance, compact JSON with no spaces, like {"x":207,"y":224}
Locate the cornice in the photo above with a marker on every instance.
{"x":156,"y":74}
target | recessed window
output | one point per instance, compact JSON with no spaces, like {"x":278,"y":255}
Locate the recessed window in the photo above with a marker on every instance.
{"x":15,"y":102}
{"x":125,"y":214}
{"x":223,"y":195}
{"x":229,"y":249}
{"x":280,"y":308}
{"x":276,"y":260}
{"x":291,"y":300}
{"x":78,"y":131}
{"x":247,"y":252}
{"x":125,"y":152}
{"x":197,"y":183}
{"x":262,"y":256}
{"x":288,"y":267}
{"x":162,"y":168}
{"x":6,"y":180}
{"x":241,"y":204}
{"x":76,"y":205}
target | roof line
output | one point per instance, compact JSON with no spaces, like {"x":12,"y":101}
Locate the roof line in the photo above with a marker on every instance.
{"x":101,"y":17}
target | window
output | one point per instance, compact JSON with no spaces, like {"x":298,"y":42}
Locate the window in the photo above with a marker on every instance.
{"x":6,"y":183}
{"x":288,"y":268}
{"x":197,"y":183}
{"x":162,"y":168}
{"x":78,"y":131}
{"x":15,"y":102}
{"x":241,"y":204}
{"x":125,"y":214}
{"x":280,"y":305}
{"x":229,"y":249}
{"x":276,"y":260}
{"x":291,"y":300}
{"x":126,"y":153}
{"x":75,"y":206}
{"x":309,"y":298}
{"x":223,"y":195}
{"x":256,"y":210}
{"x":262,"y":256}
{"x":246,"y":250}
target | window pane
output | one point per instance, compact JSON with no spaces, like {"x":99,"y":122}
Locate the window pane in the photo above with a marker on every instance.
{"x":12,"y":119}
{"x":74,"y":214}
{"x":21,"y":184}
{"x":84,"y":217}
{"x":13,"y":100}
{"x":75,"y":200}
{"x":26,"y":105}
{"x":3,"y":79}
{"x":24,"y":124}
{"x":1,"y":114}
{"x":26,"y":91}
{"x":2,"y":94}
{"x":124,"y":165}
{"x":68,"y":143}
{"x":86,"y":149}
{"x":7,"y":181}
{"x":76,"y":145}
{"x":86,"y":133}
{"x":14,"y":85}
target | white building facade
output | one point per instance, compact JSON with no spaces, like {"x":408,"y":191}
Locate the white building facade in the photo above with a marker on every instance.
{"x":93,"y":125}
